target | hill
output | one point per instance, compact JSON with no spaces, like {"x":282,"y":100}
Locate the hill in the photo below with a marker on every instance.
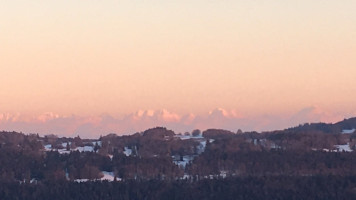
{"x":210,"y":157}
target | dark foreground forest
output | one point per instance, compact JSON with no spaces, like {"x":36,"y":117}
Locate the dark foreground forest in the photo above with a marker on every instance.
{"x":310,"y":161}
{"x":265,"y":187}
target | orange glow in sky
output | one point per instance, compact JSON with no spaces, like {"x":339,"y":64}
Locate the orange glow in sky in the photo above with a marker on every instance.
{"x":257,"y":58}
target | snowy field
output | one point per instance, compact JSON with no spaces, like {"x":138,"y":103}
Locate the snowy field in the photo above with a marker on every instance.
{"x":64,"y":150}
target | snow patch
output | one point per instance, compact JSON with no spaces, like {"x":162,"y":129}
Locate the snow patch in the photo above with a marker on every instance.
{"x":48,"y":147}
{"x":64,"y":144}
{"x":109,"y":176}
{"x":186,"y":159}
{"x":186,"y":176}
{"x":127,"y":151}
{"x":81,"y":180}
{"x":343,"y":147}
{"x":63,"y":150}
{"x":184,"y":137}
{"x":201,"y":147}
{"x":97,"y":142}
{"x":33,"y":181}
{"x":85,"y":149}
{"x":348,"y":131}
{"x":223,"y":174}
{"x":187,"y":137}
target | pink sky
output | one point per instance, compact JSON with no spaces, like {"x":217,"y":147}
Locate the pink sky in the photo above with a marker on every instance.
{"x":87,"y":60}
{"x":93,"y":126}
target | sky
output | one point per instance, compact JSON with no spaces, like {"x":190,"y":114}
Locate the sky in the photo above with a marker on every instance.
{"x":91,"y":67}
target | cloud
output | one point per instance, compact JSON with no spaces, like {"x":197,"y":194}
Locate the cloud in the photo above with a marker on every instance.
{"x":94,"y":126}
{"x":315,"y":114}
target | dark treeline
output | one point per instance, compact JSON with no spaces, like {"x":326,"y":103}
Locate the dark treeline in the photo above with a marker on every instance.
{"x":264,"y":187}
{"x":275,"y":162}
{"x":24,"y":166}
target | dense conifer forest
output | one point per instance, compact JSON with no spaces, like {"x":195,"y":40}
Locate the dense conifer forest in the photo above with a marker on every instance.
{"x":310,"y":161}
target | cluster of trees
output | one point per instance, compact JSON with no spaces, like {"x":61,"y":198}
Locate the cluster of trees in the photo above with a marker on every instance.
{"x":263,"y":187}
{"x":346,"y":124}
{"x":24,"y":166}
{"x":273,"y":163}
{"x":288,"y":152}
{"x":156,"y":142}
{"x":241,"y":165}
{"x":308,"y":140}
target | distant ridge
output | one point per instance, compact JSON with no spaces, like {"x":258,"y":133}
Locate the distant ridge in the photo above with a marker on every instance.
{"x":344,"y":126}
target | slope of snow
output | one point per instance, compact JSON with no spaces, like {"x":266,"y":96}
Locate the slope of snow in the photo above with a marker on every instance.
{"x":200,"y":149}
{"x":344,"y":147}
{"x":348,"y":131}
{"x":202,"y":145}
{"x":85,"y":149}
{"x":187,"y":137}
{"x":48,"y":147}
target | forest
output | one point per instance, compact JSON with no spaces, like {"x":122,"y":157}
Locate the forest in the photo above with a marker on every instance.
{"x":309,"y":161}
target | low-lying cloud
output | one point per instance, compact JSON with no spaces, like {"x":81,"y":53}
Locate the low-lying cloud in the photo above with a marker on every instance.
{"x":94,"y":126}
